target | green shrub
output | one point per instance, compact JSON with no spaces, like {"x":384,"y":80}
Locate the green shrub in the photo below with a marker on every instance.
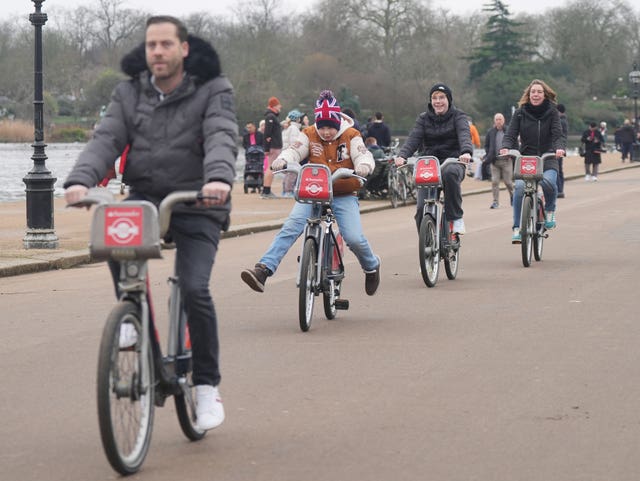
{"x":69,"y":134}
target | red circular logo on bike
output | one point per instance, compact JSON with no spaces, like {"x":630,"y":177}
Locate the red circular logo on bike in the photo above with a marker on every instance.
{"x":313,"y":189}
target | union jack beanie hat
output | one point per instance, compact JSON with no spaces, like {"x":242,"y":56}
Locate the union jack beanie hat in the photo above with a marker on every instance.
{"x":327,"y":111}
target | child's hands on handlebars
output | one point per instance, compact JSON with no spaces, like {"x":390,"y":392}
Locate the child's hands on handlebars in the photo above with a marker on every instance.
{"x":278,"y":164}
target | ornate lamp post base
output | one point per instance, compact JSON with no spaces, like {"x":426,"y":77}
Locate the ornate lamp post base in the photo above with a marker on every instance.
{"x":40,"y":239}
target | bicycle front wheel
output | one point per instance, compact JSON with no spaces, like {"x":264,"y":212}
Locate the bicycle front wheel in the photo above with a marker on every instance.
{"x":125,"y":406}
{"x":527,"y":231}
{"x":308,"y":283}
{"x":429,"y":251}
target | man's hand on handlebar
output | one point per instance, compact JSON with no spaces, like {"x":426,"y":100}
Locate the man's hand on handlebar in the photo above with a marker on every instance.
{"x":466,"y":158}
{"x":400,"y":161}
{"x":215,"y":193}
{"x":560,"y":153}
{"x":75,"y":193}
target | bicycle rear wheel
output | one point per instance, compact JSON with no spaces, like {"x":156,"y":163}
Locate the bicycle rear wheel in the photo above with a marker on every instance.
{"x":307,"y":284}
{"x":527,"y":231}
{"x":329,"y":299}
{"x":429,"y":251}
{"x":452,"y":259}
{"x":185,"y":401}
{"x":125,"y":407}
{"x":538,"y":238}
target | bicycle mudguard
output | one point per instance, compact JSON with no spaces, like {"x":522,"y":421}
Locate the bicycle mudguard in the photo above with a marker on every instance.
{"x":314,"y":185}
{"x":427,"y":172}
{"x":528,"y":168}
{"x":125,"y":231}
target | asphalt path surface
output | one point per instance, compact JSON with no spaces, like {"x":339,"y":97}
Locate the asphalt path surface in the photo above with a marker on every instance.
{"x":507,"y":373}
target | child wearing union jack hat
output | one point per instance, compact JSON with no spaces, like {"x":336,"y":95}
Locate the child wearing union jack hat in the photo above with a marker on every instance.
{"x":332,"y":141}
{"x":327,"y":111}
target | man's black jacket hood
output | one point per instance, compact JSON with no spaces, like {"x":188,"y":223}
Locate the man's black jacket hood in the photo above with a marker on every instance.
{"x":202,"y":62}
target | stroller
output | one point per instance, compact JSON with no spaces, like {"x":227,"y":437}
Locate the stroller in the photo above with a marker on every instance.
{"x":253,"y":168}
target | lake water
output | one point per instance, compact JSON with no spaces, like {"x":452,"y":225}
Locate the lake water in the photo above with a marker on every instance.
{"x":15,"y":164}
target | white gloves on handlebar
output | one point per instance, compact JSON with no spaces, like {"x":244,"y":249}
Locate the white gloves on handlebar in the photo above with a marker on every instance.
{"x":278,"y":164}
{"x":363,"y":170}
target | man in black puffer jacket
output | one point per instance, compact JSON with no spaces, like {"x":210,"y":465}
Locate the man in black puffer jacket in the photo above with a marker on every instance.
{"x":177,"y":115}
{"x":442,"y":131}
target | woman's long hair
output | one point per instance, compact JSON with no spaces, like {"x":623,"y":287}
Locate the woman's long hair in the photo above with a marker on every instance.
{"x":549,"y":93}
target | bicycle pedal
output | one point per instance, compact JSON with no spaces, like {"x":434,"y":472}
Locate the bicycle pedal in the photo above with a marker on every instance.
{"x":342,"y":304}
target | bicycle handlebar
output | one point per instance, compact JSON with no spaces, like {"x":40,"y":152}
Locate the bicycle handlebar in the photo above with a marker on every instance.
{"x":97,"y":196}
{"x":452,"y":160}
{"x":516,"y":153}
{"x":340,"y":173}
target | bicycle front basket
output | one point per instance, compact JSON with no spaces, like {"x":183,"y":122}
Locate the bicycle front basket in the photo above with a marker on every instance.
{"x":528,"y":168}
{"x":427,"y":172}
{"x":314,"y":184}
{"x":125,"y":231}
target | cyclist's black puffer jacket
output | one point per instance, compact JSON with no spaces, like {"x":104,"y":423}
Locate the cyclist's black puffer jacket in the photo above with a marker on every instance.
{"x":178,"y":143}
{"x":442,"y":136}
{"x":539,"y":129}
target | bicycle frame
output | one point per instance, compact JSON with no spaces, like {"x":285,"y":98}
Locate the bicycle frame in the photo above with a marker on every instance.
{"x":530,"y":170}
{"x":436,"y":240}
{"x":133,"y":377}
{"x":320,"y":229}
{"x":321,"y":268}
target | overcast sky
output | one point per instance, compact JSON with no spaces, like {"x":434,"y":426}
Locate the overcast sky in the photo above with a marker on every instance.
{"x":9,"y":8}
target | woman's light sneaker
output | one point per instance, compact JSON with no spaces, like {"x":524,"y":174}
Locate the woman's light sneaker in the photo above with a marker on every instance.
{"x":515,"y":237}
{"x":550,"y":220}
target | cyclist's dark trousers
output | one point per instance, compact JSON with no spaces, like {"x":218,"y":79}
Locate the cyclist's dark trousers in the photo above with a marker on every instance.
{"x":452,"y":177}
{"x":196,"y":238}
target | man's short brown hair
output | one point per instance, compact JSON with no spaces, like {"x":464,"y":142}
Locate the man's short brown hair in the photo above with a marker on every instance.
{"x":180,"y":27}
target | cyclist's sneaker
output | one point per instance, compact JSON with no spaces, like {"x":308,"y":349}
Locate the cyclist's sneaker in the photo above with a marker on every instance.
{"x":458,"y":227}
{"x":550,"y":220}
{"x":516,"y":238}
{"x":495,"y":205}
{"x":209,"y":409}
{"x":372,"y":280}
{"x":128,"y":336}
{"x":255,"y":278}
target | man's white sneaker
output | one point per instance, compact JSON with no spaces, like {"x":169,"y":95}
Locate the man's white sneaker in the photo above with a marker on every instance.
{"x":458,"y":227}
{"x":128,"y":336}
{"x":587,"y":178}
{"x":209,"y":409}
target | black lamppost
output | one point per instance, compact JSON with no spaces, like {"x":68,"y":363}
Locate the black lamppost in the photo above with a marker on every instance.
{"x":634,"y":80}
{"x":39,"y":182}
